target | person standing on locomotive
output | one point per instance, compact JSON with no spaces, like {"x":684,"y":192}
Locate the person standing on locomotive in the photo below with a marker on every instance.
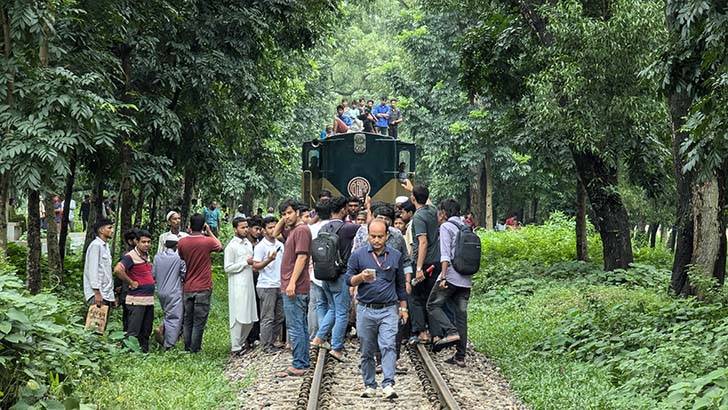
{"x":451,"y":287}
{"x":381,"y":112}
{"x":394,"y":119}
{"x":426,"y":254}
{"x":377,"y":270}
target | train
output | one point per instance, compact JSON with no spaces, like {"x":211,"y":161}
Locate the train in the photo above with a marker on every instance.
{"x":357,"y":164}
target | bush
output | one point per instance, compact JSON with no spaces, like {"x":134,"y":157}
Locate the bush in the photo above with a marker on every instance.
{"x":545,"y":245}
{"x":45,"y":350}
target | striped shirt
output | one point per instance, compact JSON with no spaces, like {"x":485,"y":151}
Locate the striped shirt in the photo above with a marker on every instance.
{"x":139,"y":269}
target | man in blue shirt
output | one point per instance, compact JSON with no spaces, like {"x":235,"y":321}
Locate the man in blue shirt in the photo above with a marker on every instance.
{"x":381,"y":111}
{"x":212,"y":217}
{"x":342,"y":116}
{"x":378,"y":271}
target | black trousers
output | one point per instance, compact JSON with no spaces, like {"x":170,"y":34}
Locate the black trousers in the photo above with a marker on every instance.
{"x":441,"y":325}
{"x":197,"y":308}
{"x":141,"y":319}
{"x":418,"y":300}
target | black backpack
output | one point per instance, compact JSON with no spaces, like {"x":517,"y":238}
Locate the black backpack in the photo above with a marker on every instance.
{"x":327,"y":261}
{"x":466,"y":255}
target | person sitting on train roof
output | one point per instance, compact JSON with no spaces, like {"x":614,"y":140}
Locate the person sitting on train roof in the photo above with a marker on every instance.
{"x":329,"y":131}
{"x":381,"y":111}
{"x":340,"y":126}
{"x":343,"y":116}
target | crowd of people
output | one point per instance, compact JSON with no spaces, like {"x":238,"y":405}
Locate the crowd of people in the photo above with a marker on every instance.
{"x":364,"y":116}
{"x":313,"y":277}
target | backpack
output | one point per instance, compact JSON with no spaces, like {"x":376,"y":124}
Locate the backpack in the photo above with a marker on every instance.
{"x":466,"y":254}
{"x":327,"y":261}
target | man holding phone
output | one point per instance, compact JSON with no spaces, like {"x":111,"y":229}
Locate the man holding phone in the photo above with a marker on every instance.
{"x":378,"y":271}
{"x":267,"y":261}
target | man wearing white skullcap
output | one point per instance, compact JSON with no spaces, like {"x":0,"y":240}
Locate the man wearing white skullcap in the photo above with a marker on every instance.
{"x":173,"y":220}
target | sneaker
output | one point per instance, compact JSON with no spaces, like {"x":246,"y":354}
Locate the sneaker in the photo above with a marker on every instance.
{"x":369,"y":393}
{"x":389,"y":392}
{"x":378,"y":369}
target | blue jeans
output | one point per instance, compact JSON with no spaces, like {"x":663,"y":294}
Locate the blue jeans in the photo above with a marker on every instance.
{"x":296,"y":323}
{"x":337,"y":315}
{"x":377,"y":327}
{"x":317,"y":307}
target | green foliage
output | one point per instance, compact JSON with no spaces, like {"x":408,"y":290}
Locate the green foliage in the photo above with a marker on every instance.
{"x":45,"y":351}
{"x":569,"y":335}
{"x":546,"y":244}
{"x":189,"y":381}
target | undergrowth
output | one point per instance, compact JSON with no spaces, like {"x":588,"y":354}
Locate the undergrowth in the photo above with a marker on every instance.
{"x":569,"y":335}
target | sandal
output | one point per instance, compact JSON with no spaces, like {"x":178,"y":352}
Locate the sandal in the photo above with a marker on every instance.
{"x":289,"y":373}
{"x":453,"y":360}
{"x":339,"y":356}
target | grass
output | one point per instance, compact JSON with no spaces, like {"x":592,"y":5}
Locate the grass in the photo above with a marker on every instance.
{"x":173,"y":379}
{"x":507,"y":333}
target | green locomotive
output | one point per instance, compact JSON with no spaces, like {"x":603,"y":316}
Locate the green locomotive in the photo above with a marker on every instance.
{"x":356,"y":164}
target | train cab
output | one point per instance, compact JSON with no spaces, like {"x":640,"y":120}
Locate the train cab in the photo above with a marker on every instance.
{"x":357,"y":164}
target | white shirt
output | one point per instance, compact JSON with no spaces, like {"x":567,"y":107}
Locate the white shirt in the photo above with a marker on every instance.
{"x":71,"y":207}
{"x":163,"y":238}
{"x":270,"y":276}
{"x":97,"y":271}
{"x":241,"y":290}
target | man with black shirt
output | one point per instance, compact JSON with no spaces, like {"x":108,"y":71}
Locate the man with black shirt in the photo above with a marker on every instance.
{"x":394,"y":119}
{"x":426,"y":254}
{"x":85,"y":210}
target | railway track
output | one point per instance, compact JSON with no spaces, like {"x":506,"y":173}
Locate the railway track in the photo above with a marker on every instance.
{"x":428,"y":384}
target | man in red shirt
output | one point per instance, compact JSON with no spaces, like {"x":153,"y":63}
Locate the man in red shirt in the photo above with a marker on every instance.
{"x":195,"y":250}
{"x":295,"y":285}
{"x":135,"y":270}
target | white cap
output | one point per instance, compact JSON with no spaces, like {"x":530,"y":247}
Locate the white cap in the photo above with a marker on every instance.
{"x":400,"y":200}
{"x":169,"y":214}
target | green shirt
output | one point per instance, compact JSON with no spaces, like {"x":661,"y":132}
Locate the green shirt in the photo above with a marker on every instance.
{"x":424,"y":222}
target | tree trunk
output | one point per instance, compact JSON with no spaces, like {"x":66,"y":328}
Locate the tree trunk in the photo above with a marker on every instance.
{"x":33,"y":262}
{"x":582,"y":244}
{"x":679,"y":104}
{"x":138,"y":213}
{"x":152,"y":226}
{"x":671,"y":238}
{"x":68,"y":195}
{"x":190,"y":180}
{"x":600,"y":181}
{"x":94,"y":213}
{"x":663,"y":234}
{"x":488,"y":175}
{"x":126,"y":200}
{"x":247,"y":202}
{"x":477,"y":195}
{"x":653,"y":234}
{"x":54,"y":255}
{"x":709,"y":242}
{"x":3,"y":214}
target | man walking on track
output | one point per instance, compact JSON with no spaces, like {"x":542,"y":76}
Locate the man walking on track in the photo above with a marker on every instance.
{"x":241,"y":289}
{"x":378,"y":271}
{"x":450,"y":286}
{"x":195,"y":250}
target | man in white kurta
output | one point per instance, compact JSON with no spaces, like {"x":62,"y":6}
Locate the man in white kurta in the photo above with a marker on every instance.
{"x":241,"y":289}
{"x":173,"y":221}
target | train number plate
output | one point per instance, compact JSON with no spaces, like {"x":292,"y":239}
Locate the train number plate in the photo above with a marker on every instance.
{"x":359,"y":187}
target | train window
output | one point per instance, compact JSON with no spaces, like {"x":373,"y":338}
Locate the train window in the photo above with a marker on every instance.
{"x":313,"y":159}
{"x":403,"y":165}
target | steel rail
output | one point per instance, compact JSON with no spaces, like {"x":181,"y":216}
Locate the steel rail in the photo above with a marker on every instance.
{"x":318,"y":374}
{"x":446,"y":397}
